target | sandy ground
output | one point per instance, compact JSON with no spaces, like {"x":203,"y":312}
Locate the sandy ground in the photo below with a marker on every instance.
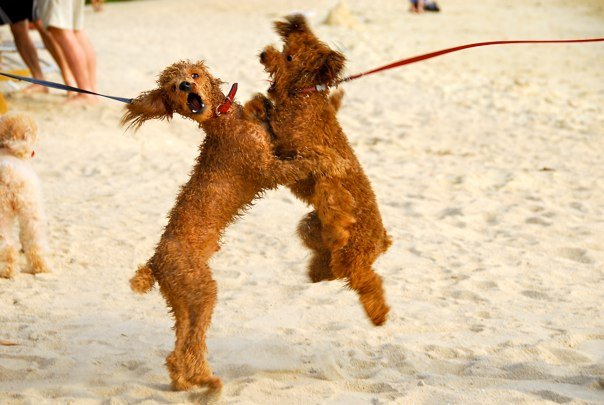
{"x":488,"y":166}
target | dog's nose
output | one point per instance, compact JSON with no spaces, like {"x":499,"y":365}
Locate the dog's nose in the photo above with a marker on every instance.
{"x":262,"y":57}
{"x":185,"y":86}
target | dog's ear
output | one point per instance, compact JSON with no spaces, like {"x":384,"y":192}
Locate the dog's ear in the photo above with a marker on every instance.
{"x":293,"y":23}
{"x":330,"y":67}
{"x":149,"y":105}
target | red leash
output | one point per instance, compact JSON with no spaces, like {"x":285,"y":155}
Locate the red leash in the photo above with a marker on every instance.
{"x":459,"y":48}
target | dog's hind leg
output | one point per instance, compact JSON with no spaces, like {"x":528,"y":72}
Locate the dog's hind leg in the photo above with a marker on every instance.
{"x":335,"y":208}
{"x":173,"y":279}
{"x":356,"y":269}
{"x":185,"y":282}
{"x":33,"y":237}
{"x":8,"y":253}
{"x":310,"y":231}
{"x":8,"y":259}
{"x":201,"y":299}
{"x":175,"y":361}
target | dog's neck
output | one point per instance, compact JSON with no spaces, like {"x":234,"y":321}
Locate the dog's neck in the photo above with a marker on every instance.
{"x":218,"y":124}
{"x":226,"y":104}
{"x":300,"y":101}
{"x":223,"y":114}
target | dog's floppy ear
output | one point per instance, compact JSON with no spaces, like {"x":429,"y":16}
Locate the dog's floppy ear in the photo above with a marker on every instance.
{"x":293,"y":23}
{"x":330,"y":67}
{"x":149,"y":105}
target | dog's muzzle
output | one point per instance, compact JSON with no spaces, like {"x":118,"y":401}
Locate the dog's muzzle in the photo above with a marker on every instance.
{"x":194,"y":101}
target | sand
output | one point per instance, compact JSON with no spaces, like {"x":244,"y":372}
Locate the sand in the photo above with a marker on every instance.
{"x":489,"y":171}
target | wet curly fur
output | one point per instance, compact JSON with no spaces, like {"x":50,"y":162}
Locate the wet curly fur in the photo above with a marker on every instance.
{"x":235,"y":164}
{"x":345,"y":231}
{"x":20,"y":197}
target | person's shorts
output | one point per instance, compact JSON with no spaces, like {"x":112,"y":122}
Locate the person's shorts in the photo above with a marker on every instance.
{"x":13,"y":11}
{"x":63,"y":14}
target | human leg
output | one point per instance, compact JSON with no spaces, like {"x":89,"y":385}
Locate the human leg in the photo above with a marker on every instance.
{"x":86,"y":45}
{"x":56,"y":53}
{"x":27,"y":50}
{"x":75,"y":57}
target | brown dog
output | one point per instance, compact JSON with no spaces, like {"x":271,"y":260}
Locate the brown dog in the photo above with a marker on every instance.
{"x":235,"y":164}
{"x":345,"y":230}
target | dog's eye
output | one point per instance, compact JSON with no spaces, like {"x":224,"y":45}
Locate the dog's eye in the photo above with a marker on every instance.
{"x":289,"y":58}
{"x":194,"y":75}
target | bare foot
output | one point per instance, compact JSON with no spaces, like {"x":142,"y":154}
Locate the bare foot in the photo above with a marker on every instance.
{"x":35,"y":88}
{"x":97,"y":5}
{"x":82,"y":99}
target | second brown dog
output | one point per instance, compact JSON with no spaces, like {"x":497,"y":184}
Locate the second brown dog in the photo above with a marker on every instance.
{"x":345,"y":231}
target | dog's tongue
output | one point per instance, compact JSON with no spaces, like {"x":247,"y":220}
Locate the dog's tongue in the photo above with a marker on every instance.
{"x":33,"y":152}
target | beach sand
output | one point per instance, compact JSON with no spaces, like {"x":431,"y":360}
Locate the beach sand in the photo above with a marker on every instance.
{"x":488,"y":166}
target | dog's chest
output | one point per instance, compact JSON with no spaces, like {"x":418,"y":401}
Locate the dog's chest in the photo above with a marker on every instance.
{"x":292,"y":125}
{"x":241,"y":150}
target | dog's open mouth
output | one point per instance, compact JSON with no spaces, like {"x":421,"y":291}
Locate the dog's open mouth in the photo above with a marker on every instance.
{"x":195,"y":103}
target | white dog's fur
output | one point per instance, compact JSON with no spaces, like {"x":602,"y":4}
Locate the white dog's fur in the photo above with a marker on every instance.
{"x":20,"y":197}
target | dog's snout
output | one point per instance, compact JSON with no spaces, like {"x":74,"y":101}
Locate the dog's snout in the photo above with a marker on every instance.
{"x":185,"y":86}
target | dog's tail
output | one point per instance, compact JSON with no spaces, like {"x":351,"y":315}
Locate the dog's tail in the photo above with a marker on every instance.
{"x":143,"y":280}
{"x":336,"y":99}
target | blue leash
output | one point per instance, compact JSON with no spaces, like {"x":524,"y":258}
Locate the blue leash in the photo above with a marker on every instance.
{"x":64,"y":87}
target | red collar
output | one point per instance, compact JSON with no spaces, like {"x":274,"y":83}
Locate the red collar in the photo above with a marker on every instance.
{"x":228,"y":101}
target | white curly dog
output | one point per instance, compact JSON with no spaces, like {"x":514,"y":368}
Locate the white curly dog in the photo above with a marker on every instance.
{"x":20,"y":197}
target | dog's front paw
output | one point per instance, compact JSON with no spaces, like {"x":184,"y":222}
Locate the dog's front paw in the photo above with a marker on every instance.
{"x":36,"y":265}
{"x":7,"y":271}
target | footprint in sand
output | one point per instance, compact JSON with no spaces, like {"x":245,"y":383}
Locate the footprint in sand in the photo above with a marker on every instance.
{"x":575,"y":254}
{"x":537,"y":221}
{"x":553,"y":396}
{"x":17,"y":367}
{"x":536,"y":295}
